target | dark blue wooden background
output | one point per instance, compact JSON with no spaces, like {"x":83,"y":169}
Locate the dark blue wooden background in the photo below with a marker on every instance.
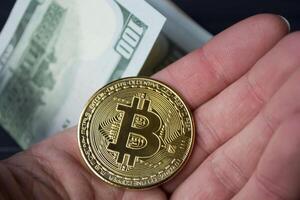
{"x":214,"y":15}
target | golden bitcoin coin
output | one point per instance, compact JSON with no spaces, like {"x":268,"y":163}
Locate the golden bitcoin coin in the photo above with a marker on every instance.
{"x":136,"y":133}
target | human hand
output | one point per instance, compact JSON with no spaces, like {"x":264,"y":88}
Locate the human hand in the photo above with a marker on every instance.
{"x":244,"y":90}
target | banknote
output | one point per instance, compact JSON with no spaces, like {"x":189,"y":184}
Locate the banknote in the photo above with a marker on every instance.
{"x":55,"y":53}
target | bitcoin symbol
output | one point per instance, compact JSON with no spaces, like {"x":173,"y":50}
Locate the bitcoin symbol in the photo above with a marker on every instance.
{"x":149,"y":142}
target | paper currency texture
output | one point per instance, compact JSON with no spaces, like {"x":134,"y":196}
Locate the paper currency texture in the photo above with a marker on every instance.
{"x":55,"y":53}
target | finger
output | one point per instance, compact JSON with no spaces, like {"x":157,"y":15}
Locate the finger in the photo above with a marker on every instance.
{"x":227,"y":170}
{"x":232,"y":109}
{"x":225,"y":115}
{"x":278,"y":173}
{"x":206,"y":71}
{"x":156,"y":194}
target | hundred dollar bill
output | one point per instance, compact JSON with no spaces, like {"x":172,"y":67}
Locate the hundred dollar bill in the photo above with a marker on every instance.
{"x":55,"y":53}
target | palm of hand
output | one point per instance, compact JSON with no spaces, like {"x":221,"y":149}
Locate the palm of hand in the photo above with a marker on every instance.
{"x":243,"y":88}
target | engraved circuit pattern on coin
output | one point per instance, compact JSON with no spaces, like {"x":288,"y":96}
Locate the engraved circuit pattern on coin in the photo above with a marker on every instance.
{"x":136,"y":133}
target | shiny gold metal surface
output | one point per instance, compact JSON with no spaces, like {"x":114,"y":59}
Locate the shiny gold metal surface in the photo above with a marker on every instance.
{"x":136,"y":133}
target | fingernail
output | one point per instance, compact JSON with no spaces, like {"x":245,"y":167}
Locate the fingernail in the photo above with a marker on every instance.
{"x":287,"y":22}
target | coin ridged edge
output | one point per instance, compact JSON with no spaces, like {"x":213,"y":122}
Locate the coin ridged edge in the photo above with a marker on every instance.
{"x":175,"y":173}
